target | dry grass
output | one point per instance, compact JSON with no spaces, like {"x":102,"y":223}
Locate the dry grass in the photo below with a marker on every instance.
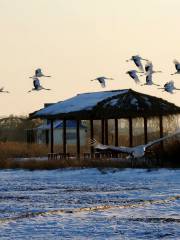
{"x":169,"y":157}
{"x":16,"y":149}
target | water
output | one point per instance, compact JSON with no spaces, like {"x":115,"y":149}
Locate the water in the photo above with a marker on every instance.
{"x":90,"y":204}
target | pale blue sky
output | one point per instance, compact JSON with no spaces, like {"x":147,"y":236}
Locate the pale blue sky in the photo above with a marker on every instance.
{"x":77,"y":40}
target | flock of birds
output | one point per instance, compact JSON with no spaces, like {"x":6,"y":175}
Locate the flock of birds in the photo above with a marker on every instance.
{"x":36,"y":82}
{"x":146,"y":71}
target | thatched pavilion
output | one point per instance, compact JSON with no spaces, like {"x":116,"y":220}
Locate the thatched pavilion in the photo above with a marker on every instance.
{"x":105,"y":105}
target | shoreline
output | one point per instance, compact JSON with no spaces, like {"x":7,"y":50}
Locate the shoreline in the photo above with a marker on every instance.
{"x":45,"y":164}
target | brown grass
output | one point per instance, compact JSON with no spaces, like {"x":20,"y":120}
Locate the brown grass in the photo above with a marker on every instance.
{"x":16,"y":149}
{"x":9,"y":151}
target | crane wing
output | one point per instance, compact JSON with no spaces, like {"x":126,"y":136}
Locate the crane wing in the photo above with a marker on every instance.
{"x":38,"y":71}
{"x":149,"y":79}
{"x":36,"y":83}
{"x":138,"y":64}
{"x":177,"y":65}
{"x":161,"y":139}
{"x":103,"y":147}
{"x":133,"y":75}
{"x":149,"y":67}
{"x":102,"y":82}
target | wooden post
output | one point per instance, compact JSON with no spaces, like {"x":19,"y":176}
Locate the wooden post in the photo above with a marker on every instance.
{"x":92,"y":135}
{"x":64,"y":137}
{"x":161,"y":129}
{"x":130,"y":132}
{"x":116,"y":132}
{"x":161,"y":126}
{"x":145,"y":131}
{"x":47,"y":136}
{"x":77,"y":138}
{"x":102,"y":131}
{"x":52,"y":136}
{"x":106,"y":131}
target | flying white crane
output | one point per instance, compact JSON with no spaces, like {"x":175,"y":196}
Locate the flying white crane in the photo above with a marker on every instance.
{"x":38,"y":73}
{"x":137,"y":60}
{"x":177,"y":66}
{"x":37,"y":85}
{"x":102,"y":80}
{"x":149,"y":80}
{"x":133,"y":75}
{"x":2,"y":90}
{"x":149,"y":68}
{"x":169,"y":87}
{"x":135,"y":152}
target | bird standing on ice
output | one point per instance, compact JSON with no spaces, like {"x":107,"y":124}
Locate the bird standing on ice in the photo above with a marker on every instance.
{"x":133,"y":75}
{"x":2,"y":90}
{"x":37,"y":85}
{"x":102,"y":80}
{"x":38,"y":73}
{"x":177,"y":66}
{"x":137,"y":60}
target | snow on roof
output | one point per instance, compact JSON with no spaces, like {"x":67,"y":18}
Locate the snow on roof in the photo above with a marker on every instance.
{"x":59,"y":124}
{"x":84,"y":101}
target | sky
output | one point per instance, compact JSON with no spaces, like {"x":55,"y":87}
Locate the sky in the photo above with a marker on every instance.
{"x":75,"y":41}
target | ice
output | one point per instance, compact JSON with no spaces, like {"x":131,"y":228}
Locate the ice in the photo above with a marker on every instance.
{"x":90,"y":203}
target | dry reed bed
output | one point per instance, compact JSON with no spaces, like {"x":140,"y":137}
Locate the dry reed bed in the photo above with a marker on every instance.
{"x":170,"y":157}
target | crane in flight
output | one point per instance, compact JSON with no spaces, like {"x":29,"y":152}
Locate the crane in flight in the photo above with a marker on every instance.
{"x":3,"y":91}
{"x":137,"y":60}
{"x":177,"y":66}
{"x":134,"y":152}
{"x":38,"y":73}
{"x":133,"y":75}
{"x":102,"y":80}
{"x":169,"y":87}
{"x":149,"y":68}
{"x":149,"y":80}
{"x":37,"y":85}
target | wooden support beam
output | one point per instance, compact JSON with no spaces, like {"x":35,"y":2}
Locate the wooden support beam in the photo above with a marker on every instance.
{"x":161,"y":126}
{"x":78,"y":138}
{"x":130,"y":132}
{"x":92,"y":135}
{"x":161,"y":130}
{"x":47,"y":136}
{"x":64,"y":136}
{"x":116,"y":132}
{"x":145,"y":131}
{"x":52,"y":135}
{"x":106,"y":131}
{"x":102,"y":131}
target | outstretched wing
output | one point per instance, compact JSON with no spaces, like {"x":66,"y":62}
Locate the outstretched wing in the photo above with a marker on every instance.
{"x":134,"y":76}
{"x":148,"y":67}
{"x":36,"y":83}
{"x":102,"y":82}
{"x":38,"y":72}
{"x":161,"y":139}
{"x":137,"y":61}
{"x":149,"y":79}
{"x":103,"y":147}
{"x":177,"y":65}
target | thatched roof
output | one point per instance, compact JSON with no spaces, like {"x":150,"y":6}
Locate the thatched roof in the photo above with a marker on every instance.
{"x":108,"y":105}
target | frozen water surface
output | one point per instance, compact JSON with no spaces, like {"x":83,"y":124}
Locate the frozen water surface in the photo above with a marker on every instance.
{"x":90,"y":204}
